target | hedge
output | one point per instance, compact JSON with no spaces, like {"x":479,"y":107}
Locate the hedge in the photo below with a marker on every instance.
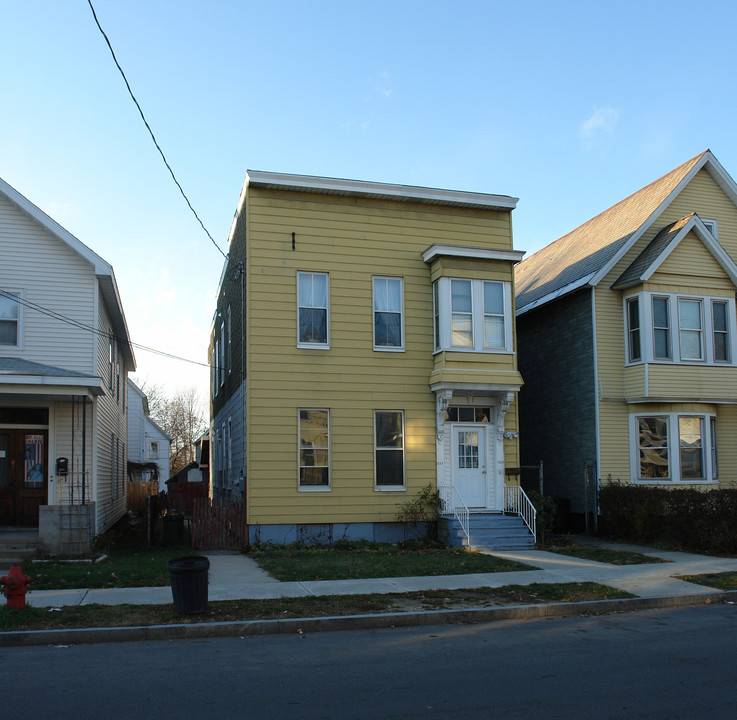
{"x":692,"y":520}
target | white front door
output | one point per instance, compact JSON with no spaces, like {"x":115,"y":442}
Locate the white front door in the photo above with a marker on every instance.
{"x":469,"y":464}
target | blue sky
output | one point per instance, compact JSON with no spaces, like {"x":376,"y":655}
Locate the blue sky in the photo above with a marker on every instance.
{"x":569,"y":106}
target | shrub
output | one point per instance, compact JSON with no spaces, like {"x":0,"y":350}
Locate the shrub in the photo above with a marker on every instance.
{"x":692,"y":520}
{"x":420,"y":513}
{"x":545,"y":519}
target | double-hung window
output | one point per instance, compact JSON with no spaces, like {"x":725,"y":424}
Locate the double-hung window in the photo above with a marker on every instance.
{"x":314,"y":449}
{"x":472,"y":315}
{"x":312,"y":309}
{"x":674,"y":447}
{"x":634,"y":351}
{"x":388,"y":313}
{"x":9,"y":318}
{"x":720,"y":330}
{"x":661,"y":328}
{"x":666,"y":328}
{"x":691,"y":329}
{"x":389,"y":449}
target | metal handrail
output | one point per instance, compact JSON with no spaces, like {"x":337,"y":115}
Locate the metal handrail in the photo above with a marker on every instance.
{"x":517,"y":502}
{"x":452,"y":502}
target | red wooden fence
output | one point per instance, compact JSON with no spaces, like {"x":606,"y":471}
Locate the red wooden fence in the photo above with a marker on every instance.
{"x":218,"y":526}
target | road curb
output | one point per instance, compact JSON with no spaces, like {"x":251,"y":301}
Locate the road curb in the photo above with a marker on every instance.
{"x":194,"y":630}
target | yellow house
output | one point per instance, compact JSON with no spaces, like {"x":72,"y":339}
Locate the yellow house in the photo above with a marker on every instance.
{"x":363,"y":348}
{"x":627,"y":342}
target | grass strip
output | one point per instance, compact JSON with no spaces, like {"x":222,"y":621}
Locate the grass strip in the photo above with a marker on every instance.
{"x":720,"y":581}
{"x":80,"y":616}
{"x":610,"y":556}
{"x":290,"y":563}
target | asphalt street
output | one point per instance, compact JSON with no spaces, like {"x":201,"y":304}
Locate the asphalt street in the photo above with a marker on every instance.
{"x":657,"y":664}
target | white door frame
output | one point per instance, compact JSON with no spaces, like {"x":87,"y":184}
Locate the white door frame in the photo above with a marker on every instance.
{"x":473,"y":488}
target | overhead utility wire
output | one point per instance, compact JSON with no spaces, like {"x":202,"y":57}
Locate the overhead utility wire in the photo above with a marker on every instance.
{"x":151,"y":132}
{"x":88,"y":328}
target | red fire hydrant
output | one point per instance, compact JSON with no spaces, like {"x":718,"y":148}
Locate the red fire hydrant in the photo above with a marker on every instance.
{"x":15,"y":586}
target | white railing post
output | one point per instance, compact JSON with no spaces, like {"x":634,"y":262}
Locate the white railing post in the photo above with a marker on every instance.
{"x":517,"y":502}
{"x":453,"y":505}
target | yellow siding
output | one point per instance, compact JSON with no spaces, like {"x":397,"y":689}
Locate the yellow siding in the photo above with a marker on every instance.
{"x":352,"y":240}
{"x":469,"y":269}
{"x":689,"y":269}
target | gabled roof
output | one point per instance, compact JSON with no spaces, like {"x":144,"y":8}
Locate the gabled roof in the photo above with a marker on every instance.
{"x":585,"y":255}
{"x":103,"y":270}
{"x":664,"y":243}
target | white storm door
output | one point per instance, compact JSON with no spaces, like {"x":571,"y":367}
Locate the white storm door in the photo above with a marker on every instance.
{"x":469,"y":464}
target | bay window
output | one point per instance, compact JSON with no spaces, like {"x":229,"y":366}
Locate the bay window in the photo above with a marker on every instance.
{"x":686,"y":329}
{"x":472,"y":315}
{"x":674,"y":448}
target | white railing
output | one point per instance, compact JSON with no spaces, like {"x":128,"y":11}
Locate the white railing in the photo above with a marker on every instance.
{"x":517,"y":502}
{"x":452,"y":504}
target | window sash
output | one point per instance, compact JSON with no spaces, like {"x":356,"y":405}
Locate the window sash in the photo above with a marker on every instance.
{"x":634,"y":352}
{"x":389,"y":448}
{"x":720,"y":330}
{"x":9,"y":317}
{"x":661,"y":329}
{"x":690,"y":329}
{"x":314,"y":448}
{"x":461,"y":311}
{"x":691,"y":447}
{"x":495,"y":335}
{"x":312,"y":308}
{"x":388,"y":310}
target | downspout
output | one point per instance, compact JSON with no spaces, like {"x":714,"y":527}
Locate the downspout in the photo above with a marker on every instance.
{"x":84,"y":449}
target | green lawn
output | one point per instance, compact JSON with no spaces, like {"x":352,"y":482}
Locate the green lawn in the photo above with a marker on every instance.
{"x":365,"y":560}
{"x":721,"y":581}
{"x":600,"y":554}
{"x":31,"y":618}
{"x":122,"y":568}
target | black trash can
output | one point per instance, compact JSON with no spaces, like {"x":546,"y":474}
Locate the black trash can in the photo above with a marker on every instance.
{"x":188,"y":576}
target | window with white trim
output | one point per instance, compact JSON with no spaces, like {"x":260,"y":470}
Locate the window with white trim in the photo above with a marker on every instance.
{"x":9,"y":319}
{"x":674,"y":448}
{"x":388,"y":313}
{"x":666,"y":328}
{"x":712,"y":226}
{"x":472,"y":315}
{"x":389,"y":449}
{"x":312,"y":310}
{"x":314,"y":449}
{"x":229,"y":353}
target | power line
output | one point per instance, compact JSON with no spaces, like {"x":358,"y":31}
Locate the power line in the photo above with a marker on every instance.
{"x":88,"y":328}
{"x":151,"y":132}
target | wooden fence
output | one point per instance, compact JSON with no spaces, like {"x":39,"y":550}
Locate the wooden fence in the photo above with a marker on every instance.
{"x":218,"y":526}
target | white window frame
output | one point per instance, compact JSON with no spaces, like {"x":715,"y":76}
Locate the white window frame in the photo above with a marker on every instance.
{"x":647,"y":329}
{"x":313,"y":488}
{"x":215,"y":366}
{"x":442,"y":317}
{"x":315,"y":345}
{"x":712,"y":226}
{"x":153,"y":449}
{"x":390,"y":488}
{"x":700,"y":330}
{"x":18,"y":295}
{"x":221,"y":358}
{"x":230,"y":453}
{"x":631,"y":332}
{"x":667,"y":328}
{"x":229,"y":354}
{"x":715,"y":332}
{"x":708,"y":448}
{"x":400,"y":312}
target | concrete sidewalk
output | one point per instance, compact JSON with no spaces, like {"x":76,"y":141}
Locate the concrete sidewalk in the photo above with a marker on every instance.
{"x":236,"y":577}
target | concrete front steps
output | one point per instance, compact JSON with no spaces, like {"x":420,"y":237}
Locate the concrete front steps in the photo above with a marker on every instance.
{"x":16,"y":544}
{"x":494,"y":531}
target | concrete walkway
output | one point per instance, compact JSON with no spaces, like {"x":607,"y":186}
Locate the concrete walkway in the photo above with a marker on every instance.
{"x":236,"y":576}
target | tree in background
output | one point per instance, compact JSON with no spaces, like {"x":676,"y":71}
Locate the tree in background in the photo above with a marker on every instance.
{"x":181,"y":416}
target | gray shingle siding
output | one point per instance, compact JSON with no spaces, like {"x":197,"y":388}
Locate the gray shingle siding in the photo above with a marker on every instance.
{"x":557,"y":404}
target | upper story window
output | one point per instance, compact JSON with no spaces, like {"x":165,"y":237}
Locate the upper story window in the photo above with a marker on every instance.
{"x":9,"y":319}
{"x":711,"y":226}
{"x":686,"y":329}
{"x":312,"y":309}
{"x":154,"y":449}
{"x":216,"y":366}
{"x":388,"y":313}
{"x":472,"y":315}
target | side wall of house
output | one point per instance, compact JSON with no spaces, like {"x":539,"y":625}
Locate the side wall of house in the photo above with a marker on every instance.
{"x":353,"y":240}
{"x":557,"y":403}
{"x":111,"y":436}
{"x":50,"y":275}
